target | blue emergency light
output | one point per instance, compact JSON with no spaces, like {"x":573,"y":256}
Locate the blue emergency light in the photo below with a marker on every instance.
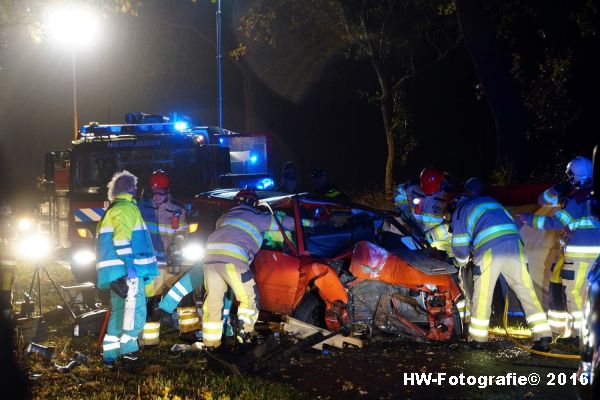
{"x":181,"y":125}
{"x":265,"y":183}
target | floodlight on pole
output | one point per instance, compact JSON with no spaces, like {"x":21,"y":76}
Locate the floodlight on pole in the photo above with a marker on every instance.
{"x":75,"y":26}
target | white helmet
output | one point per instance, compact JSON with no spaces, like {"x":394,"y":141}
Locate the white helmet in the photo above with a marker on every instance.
{"x":579,"y":171}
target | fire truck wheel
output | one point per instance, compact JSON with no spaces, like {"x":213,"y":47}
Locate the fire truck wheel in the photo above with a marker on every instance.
{"x":310,"y":310}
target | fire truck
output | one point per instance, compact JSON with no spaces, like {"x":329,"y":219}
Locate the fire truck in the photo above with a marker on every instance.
{"x":197,"y":159}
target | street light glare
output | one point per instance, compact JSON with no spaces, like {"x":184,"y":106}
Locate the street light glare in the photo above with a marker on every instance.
{"x":73,"y":25}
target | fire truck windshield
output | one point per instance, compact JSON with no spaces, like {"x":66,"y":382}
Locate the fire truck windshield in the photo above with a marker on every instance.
{"x":91,"y":170}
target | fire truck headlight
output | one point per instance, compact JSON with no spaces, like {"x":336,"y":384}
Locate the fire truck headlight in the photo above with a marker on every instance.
{"x":34,"y":248}
{"x":25,"y":224}
{"x":84,"y":257}
{"x":193,"y":252}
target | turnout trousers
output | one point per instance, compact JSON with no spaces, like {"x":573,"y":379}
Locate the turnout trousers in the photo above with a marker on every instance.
{"x":506,"y":258}
{"x":574,"y":278}
{"x":218,"y":277}
{"x":118,"y":340}
{"x":558,"y":316}
{"x":192,"y":279}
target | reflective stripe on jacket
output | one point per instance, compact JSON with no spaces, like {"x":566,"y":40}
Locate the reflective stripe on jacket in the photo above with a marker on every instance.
{"x":239,"y":234}
{"x":123,"y":242}
{"x":427,"y":211}
{"x":159,"y":223}
{"x":583,"y":230}
{"x":479,"y":223}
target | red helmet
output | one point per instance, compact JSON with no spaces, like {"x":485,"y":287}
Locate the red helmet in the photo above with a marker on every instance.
{"x":159,"y":180}
{"x":431,"y":180}
{"x":247,"y":196}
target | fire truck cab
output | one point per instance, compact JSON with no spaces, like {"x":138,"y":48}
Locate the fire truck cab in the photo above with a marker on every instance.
{"x":197,"y":159}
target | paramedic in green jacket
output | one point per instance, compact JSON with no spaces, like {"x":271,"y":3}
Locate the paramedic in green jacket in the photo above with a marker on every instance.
{"x":126,"y":262}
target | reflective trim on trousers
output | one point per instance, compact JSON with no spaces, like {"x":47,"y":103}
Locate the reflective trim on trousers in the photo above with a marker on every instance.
{"x":478,"y":333}
{"x":536,"y":317}
{"x":212,"y":332}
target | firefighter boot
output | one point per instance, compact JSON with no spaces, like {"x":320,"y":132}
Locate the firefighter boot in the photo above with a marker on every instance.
{"x":542,"y":344}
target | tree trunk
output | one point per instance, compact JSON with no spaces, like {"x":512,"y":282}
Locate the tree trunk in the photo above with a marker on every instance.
{"x":387,"y":110}
{"x":493,"y":69}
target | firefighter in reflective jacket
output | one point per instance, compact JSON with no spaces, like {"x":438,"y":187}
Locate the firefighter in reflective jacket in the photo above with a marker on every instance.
{"x":229,"y":251}
{"x":481,"y":227}
{"x":125,"y":263}
{"x":424,"y":202}
{"x":166,"y":221}
{"x":582,"y":241}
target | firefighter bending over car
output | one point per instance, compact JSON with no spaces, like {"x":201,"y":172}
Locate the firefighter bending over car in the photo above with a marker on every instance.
{"x":581,"y":245}
{"x":229,"y":251}
{"x":482,"y":227}
{"x":125,"y":263}
{"x":424,"y":202}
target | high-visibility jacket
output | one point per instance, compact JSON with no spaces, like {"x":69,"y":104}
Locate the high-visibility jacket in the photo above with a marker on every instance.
{"x":123,"y":242}
{"x":480,"y":223}
{"x":161,"y":225}
{"x":331,"y":192}
{"x":239,"y":234}
{"x":582,"y":239}
{"x":427,"y":212}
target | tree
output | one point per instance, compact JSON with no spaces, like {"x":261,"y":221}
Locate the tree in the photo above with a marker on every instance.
{"x":399,"y":38}
{"x":524,"y":54}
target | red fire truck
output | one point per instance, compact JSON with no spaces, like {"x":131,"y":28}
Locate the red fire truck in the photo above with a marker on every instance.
{"x":197,"y":159}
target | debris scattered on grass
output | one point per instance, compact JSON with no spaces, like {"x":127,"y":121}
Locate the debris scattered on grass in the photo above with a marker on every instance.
{"x":44,"y":351}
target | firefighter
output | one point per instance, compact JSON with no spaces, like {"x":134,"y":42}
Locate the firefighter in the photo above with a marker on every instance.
{"x":483,"y":229}
{"x":7,"y":261}
{"x":166,"y":221}
{"x":229,"y":251}
{"x":289,"y":178}
{"x":322,"y":186}
{"x":126,"y":262}
{"x":582,"y":239}
{"x":423,"y":203}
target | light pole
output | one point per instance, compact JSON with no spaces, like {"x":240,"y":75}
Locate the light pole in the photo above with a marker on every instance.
{"x":219,"y":64}
{"x":75,"y":26}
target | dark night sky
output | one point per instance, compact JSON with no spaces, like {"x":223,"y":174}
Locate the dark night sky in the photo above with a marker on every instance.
{"x":307,"y":97}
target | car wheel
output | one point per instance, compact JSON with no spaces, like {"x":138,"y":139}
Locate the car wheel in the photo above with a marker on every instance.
{"x":310,"y":310}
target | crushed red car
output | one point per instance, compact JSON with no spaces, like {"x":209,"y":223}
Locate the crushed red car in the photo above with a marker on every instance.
{"x":350,"y":266}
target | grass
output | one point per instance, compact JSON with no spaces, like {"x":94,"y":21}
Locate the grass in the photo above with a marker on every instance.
{"x":166,"y":376}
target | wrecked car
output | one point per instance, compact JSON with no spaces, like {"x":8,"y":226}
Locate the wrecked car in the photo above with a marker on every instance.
{"x":345,"y":264}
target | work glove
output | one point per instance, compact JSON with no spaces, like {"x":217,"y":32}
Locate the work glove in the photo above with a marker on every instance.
{"x":564,"y":188}
{"x":120,"y":287}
